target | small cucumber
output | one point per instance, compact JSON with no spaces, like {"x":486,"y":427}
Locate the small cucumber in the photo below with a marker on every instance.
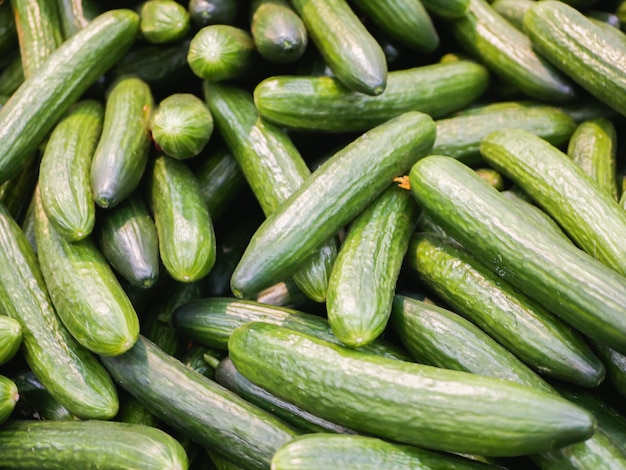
{"x":184,"y":226}
{"x":415,"y":404}
{"x":10,"y":338}
{"x":206,"y":12}
{"x":8,"y":398}
{"x":330,"y":198}
{"x":163,"y":21}
{"x":88,"y":444}
{"x":324,"y":104}
{"x":352,"y":53}
{"x":120,"y":158}
{"x":64,"y":182}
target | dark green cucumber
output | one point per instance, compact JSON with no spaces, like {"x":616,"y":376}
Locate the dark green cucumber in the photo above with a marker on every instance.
{"x":70,"y":70}
{"x":589,"y":215}
{"x":460,"y":136}
{"x":510,"y":55}
{"x":324,"y":450}
{"x":11,"y":76}
{"x":615,"y":367}
{"x":64,"y":183}
{"x":278,"y":32}
{"x":184,"y":226}
{"x":584,"y":51}
{"x":10,"y":338}
{"x":163,"y":21}
{"x":211,"y":321}
{"x":536,"y":336}
{"x":446,"y":8}
{"x":228,"y":376}
{"x":330,"y":198}
{"x":352,"y":53}
{"x":415,"y":404}
{"x":8,"y":398}
{"x":221,"y":52}
{"x":181,"y":125}
{"x":120,"y":158}
{"x":324,"y":104}
{"x":84,"y":290}
{"x":91,"y":443}
{"x":563,"y":278}
{"x":128,"y":240}
{"x":68,"y":371}
{"x":593,"y":147}
{"x":273,"y":168}
{"x":206,"y":12}
{"x":365,"y":274}
{"x":197,"y":407}
{"x":35,"y":401}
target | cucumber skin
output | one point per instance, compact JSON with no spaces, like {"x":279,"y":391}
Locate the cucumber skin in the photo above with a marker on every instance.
{"x":446,"y":8}
{"x":564,"y":279}
{"x":365,"y":274}
{"x":84,"y":291}
{"x":121,"y":156}
{"x":415,"y":404}
{"x":197,"y":407}
{"x":334,"y":194}
{"x":68,"y":371}
{"x":41,"y":100}
{"x":64,"y":182}
{"x":10,"y":338}
{"x":352,"y":53}
{"x":8,"y":398}
{"x":88,"y":444}
{"x":324,"y":104}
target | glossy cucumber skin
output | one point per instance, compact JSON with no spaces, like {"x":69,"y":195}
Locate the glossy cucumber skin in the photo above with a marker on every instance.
{"x":88,"y":444}
{"x":615,"y":367}
{"x":120,"y":158}
{"x":84,"y":290}
{"x":352,"y":53}
{"x":70,"y":70}
{"x":68,"y":371}
{"x":536,"y":336}
{"x":564,"y":279}
{"x":322,"y":103}
{"x":334,"y":194}
{"x":198,"y":407}
{"x":273,"y":167}
{"x":365,"y":274}
{"x":128,"y":240}
{"x":446,"y":8}
{"x":415,"y":404}
{"x":509,"y":53}
{"x":184,"y":226}
{"x":64,"y":182}
{"x":590,"y":216}
{"x":163,"y":21}
{"x":583,"y":50}
{"x":8,"y":397}
{"x":512,"y":10}
{"x":10,"y":338}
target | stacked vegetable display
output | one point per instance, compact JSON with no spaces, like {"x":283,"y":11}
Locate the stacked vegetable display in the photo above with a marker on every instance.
{"x":311,"y":234}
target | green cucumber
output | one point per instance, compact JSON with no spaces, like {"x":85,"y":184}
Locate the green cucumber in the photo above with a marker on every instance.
{"x":537,"y":337}
{"x":323,"y":104}
{"x":211,"y":321}
{"x":330,"y":198}
{"x":70,"y":70}
{"x":197,"y":407}
{"x":16,"y":193}
{"x":88,"y":444}
{"x":74,"y":16}
{"x":351,"y":52}
{"x":35,"y":401}
{"x":324,"y":450}
{"x":593,"y":147}
{"x":68,"y":371}
{"x":8,"y":398}
{"x":589,"y":215}
{"x":11,"y":76}
{"x":365,"y":274}
{"x":415,"y":404}
{"x":615,"y":367}
{"x":273,"y":168}
{"x":278,"y":32}
{"x":513,"y":10}
{"x":567,"y":281}
{"x":120,"y":158}
{"x":10,"y":338}
{"x":64,"y":183}
{"x":184,"y":226}
{"x":128,"y":240}
{"x":85,"y":293}
{"x":163,"y":21}
{"x":486,"y":35}
{"x":206,"y":12}
{"x":586,"y":52}
{"x":446,"y":8}
{"x":181,"y":125}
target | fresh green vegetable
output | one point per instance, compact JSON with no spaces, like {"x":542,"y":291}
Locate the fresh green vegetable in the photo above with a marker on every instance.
{"x":35,"y":401}
{"x":513,"y":10}
{"x":8,"y":397}
{"x":163,"y":21}
{"x":10,"y":338}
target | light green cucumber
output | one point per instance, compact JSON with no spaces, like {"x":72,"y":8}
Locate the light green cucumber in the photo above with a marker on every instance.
{"x":10,"y":338}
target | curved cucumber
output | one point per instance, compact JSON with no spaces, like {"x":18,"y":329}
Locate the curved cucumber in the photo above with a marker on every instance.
{"x":10,"y":338}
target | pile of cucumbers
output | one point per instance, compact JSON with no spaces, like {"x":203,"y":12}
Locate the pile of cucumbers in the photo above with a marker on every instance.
{"x":312,"y":234}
